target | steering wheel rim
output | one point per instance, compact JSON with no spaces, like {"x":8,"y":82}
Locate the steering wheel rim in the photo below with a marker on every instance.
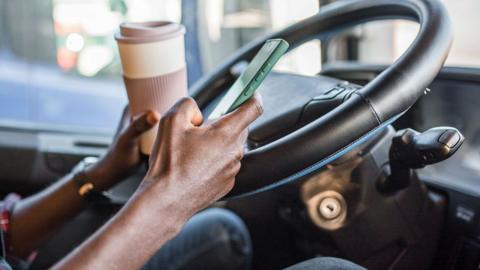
{"x":374,"y":106}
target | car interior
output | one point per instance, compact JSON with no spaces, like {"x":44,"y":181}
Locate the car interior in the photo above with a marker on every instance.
{"x":367,"y":150}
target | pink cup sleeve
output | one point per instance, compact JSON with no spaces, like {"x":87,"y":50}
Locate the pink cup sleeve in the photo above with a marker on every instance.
{"x":158,"y":93}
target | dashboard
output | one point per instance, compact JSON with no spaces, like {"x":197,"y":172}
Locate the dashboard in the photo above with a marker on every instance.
{"x":453,"y":99}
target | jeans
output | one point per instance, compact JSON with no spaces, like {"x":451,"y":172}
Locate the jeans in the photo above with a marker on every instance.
{"x":212,"y":239}
{"x":325,"y":263}
{"x":218,"y":239}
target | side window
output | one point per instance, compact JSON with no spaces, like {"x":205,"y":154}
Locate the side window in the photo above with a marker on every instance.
{"x":59,"y":67}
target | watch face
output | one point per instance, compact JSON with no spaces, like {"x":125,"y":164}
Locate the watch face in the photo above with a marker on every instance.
{"x":84,"y":163}
{"x":90,"y":161}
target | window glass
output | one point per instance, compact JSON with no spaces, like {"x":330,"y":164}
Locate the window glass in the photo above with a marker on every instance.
{"x":84,"y":31}
{"x":227,"y":25}
{"x":383,"y":42}
{"x":59,"y":65}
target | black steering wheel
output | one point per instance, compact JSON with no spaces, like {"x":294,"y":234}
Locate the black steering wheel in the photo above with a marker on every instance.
{"x":365,"y":112}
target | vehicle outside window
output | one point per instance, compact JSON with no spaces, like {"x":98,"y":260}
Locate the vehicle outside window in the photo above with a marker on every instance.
{"x":384,"y":41}
{"x":226,"y":26}
{"x":59,"y":65}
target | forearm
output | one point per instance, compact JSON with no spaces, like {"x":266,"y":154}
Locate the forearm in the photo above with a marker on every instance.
{"x":36,"y":218}
{"x":130,"y":238}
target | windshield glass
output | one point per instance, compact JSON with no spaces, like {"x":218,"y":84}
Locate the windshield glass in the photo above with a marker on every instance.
{"x":59,"y":64}
{"x":384,"y":41}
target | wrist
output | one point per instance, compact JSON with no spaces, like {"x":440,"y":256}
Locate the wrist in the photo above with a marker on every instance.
{"x":154,"y":218}
{"x":142,"y":226}
{"x":161,"y":194}
{"x":99,"y":177}
{"x":88,"y":178}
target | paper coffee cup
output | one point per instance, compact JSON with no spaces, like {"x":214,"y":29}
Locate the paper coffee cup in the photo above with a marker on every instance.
{"x":154,"y":69}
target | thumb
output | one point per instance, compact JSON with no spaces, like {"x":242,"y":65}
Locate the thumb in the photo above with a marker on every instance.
{"x":239,"y":119}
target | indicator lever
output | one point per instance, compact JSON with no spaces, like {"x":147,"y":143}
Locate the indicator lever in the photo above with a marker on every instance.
{"x":413,"y":150}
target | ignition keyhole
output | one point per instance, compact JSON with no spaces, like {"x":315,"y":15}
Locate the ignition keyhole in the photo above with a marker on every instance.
{"x":330,"y":208}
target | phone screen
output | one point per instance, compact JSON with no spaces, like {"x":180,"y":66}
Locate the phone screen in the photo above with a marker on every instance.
{"x":245,"y":86}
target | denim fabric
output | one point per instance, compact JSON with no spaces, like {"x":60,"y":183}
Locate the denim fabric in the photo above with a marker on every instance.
{"x":212,"y":239}
{"x":325,"y":263}
{"x":4,"y":265}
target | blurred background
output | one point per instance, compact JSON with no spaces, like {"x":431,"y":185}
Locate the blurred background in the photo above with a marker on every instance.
{"x":59,"y":66}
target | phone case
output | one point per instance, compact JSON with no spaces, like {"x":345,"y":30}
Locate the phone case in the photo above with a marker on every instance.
{"x":277,"y":53}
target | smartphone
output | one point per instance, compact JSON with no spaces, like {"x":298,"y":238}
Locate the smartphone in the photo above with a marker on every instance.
{"x":244,"y":87}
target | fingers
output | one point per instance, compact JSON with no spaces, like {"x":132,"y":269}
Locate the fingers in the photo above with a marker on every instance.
{"x":241,"y":118}
{"x":143,"y":123}
{"x":186,"y":110}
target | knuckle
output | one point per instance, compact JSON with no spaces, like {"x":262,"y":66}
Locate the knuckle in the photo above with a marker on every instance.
{"x":238,"y":155}
{"x":183,"y":102}
{"x":226,"y":186}
{"x":258,"y":108}
{"x":168,"y":123}
{"x":140,"y":124}
{"x":187,"y":101}
{"x":238,"y":166}
{"x":235,"y":166}
{"x":172,"y":118}
{"x":230,"y":185}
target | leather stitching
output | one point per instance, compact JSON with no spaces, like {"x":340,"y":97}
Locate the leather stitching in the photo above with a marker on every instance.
{"x":319,"y":164}
{"x":372,"y":109}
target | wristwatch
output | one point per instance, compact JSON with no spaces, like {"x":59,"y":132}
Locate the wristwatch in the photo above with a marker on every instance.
{"x":86,"y":188}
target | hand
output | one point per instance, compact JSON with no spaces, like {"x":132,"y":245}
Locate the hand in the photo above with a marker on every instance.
{"x":123,"y":157}
{"x":193,"y":163}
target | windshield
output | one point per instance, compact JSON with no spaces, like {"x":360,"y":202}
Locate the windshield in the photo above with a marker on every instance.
{"x":59,"y":64}
{"x":383,"y":42}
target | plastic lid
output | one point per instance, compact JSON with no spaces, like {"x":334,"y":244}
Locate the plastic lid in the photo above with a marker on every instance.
{"x":145,"y":32}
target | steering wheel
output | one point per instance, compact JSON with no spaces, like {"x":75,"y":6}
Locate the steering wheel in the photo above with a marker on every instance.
{"x":364,"y":113}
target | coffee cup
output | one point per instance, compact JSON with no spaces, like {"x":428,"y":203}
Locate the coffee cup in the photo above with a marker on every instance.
{"x":154,"y":69}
